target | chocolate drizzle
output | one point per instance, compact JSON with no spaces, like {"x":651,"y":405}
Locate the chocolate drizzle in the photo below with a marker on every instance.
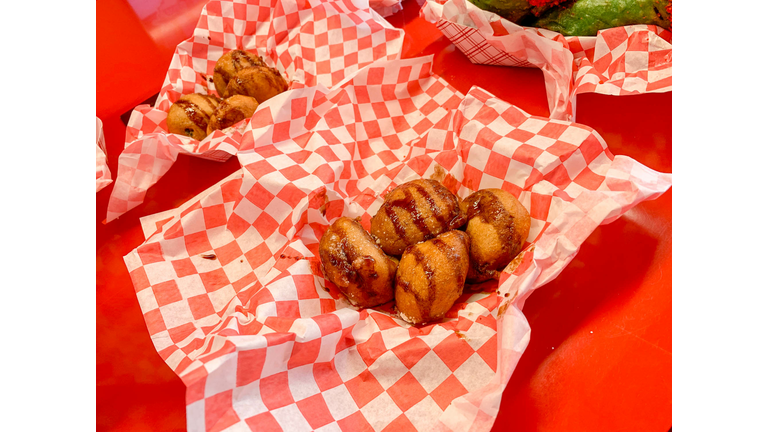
{"x":432,"y":204}
{"x":194,"y":113}
{"x":240,"y":60}
{"x":490,"y":209}
{"x":259,"y":82}
{"x":443,"y":206}
{"x":487,"y":206}
{"x":227,"y":115}
{"x":451,"y":252}
{"x":353,"y":265}
{"x":457,"y":217}
{"x":424,"y":304}
{"x":446,"y":246}
{"x":348,"y":255}
{"x":212,"y":101}
{"x":230,"y":118}
{"x":409,"y":204}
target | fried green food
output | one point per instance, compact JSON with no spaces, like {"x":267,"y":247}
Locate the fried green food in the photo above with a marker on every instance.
{"x":513,"y":10}
{"x":587,"y":17}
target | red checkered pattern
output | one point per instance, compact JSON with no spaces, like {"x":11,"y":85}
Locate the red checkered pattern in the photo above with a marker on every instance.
{"x":623,"y":61}
{"x":103,"y":176}
{"x":618,"y":61}
{"x":232,"y":292}
{"x":473,"y":45}
{"x":311,"y":43}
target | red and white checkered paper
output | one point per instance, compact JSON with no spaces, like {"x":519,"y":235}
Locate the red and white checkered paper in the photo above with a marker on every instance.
{"x":235,"y":301}
{"x":311,"y":42}
{"x":103,"y":176}
{"x":618,"y":61}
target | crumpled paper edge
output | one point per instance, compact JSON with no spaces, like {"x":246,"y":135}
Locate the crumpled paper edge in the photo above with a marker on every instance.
{"x":103,"y":175}
{"x":513,"y":45}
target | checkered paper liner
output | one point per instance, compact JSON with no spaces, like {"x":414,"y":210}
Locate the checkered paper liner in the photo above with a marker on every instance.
{"x":311,"y":42}
{"x":232,"y":292}
{"x":618,"y":61}
{"x":103,"y":176}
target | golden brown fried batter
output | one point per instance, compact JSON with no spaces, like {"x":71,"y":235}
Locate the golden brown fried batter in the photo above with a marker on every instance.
{"x":415,"y":211}
{"x":430,"y":277}
{"x":190,"y":115}
{"x":497,"y":225}
{"x":230,"y":64}
{"x":259,"y":82}
{"x":231,"y":110}
{"x":353,"y":262}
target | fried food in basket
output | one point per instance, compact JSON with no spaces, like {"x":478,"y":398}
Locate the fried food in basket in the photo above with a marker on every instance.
{"x":421,"y":220}
{"x":430,"y":277}
{"x":415,"y":211}
{"x":230,"y":64}
{"x":232,"y":110}
{"x":586,"y":17}
{"x":258,"y":82}
{"x":190,"y":115}
{"x":515,"y":10}
{"x":581,"y":17}
{"x":356,"y":265}
{"x":497,"y":225}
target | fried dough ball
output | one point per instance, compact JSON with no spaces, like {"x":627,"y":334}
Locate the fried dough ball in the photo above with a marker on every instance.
{"x":497,"y":225}
{"x":430,"y":277}
{"x":353,"y":262}
{"x":259,"y":82}
{"x":230,"y":64}
{"x":190,"y":115}
{"x":415,"y":211}
{"x":230,"y":111}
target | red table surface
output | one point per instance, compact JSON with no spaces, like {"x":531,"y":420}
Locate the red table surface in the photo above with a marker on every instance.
{"x":600,"y":355}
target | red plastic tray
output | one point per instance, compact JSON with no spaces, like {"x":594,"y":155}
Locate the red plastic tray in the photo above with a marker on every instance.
{"x":600,"y":355}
